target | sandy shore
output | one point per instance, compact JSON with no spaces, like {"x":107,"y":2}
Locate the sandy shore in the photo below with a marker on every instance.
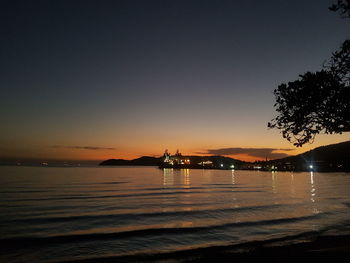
{"x":322,"y":248}
{"x":279,"y":250}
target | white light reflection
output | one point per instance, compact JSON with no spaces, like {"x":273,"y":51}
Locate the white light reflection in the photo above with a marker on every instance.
{"x":234,"y":198}
{"x":186,"y":176}
{"x":292,"y":186}
{"x":168,"y":176}
{"x":313,"y":190}
{"x":233,"y":176}
{"x":274,"y":175}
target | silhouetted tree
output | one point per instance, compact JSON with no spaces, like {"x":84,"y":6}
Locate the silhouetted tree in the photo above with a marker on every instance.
{"x":317,"y":102}
{"x":342,"y":7}
{"x":339,"y":64}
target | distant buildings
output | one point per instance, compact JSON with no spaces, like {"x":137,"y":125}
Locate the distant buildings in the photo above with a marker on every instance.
{"x":195,"y":162}
{"x":176,"y":159}
{"x":206,"y":163}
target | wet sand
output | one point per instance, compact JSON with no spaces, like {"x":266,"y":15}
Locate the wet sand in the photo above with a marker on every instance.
{"x":336,"y":248}
{"x":322,"y":248}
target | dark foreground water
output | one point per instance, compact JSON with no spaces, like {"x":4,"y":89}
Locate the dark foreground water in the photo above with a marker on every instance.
{"x":63,"y":214}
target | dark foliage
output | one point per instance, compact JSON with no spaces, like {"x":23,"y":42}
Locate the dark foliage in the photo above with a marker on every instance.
{"x":317,"y":102}
{"x":339,"y":64}
{"x":342,"y":7}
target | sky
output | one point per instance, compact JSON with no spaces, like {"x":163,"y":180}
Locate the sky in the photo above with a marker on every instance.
{"x":94,"y":80}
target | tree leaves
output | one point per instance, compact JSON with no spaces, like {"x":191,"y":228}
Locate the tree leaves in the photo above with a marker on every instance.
{"x":316,"y":102}
{"x":342,"y":7}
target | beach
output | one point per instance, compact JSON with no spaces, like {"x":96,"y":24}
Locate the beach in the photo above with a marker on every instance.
{"x":279,"y":250}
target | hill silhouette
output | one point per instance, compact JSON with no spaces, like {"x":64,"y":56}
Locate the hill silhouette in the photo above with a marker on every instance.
{"x":333,"y":157}
{"x":142,"y":161}
{"x":218,"y":162}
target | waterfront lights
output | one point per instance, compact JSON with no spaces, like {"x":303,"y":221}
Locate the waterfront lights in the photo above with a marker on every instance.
{"x":311,"y":166}
{"x":221,"y":165}
{"x":273,"y":168}
{"x":232,"y":166}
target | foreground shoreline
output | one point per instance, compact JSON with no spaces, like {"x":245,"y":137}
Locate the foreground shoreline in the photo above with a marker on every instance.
{"x":277,"y":250}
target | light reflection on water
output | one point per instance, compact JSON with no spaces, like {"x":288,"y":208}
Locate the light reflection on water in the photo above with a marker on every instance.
{"x":313,"y":190}
{"x":168,"y":176}
{"x":132,"y":209}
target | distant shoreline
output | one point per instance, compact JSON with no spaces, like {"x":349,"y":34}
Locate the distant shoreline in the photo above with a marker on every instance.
{"x":157,"y":167}
{"x":330,"y":158}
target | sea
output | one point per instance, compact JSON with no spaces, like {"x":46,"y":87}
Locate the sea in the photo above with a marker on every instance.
{"x":87,"y":214}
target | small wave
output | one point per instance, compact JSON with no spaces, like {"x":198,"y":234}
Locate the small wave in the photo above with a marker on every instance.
{"x":128,"y":216}
{"x":112,"y":183}
{"x":24,"y":191}
{"x":187,"y":188}
{"x":218,"y":184}
{"x":225,"y":251}
{"x":165,"y":189}
{"x":124,"y":195}
{"x":33,"y":241}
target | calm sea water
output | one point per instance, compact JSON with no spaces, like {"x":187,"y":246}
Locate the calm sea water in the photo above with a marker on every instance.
{"x":61,"y":214}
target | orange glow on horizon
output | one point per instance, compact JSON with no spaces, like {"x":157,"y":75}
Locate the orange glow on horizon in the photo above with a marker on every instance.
{"x":22,"y":150}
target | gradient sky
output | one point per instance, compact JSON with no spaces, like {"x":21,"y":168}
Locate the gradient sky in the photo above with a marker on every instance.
{"x":91,"y":80}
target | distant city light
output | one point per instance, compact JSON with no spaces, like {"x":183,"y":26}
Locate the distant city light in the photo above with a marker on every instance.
{"x":232,"y":166}
{"x":311,"y":166}
{"x":221,"y":165}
